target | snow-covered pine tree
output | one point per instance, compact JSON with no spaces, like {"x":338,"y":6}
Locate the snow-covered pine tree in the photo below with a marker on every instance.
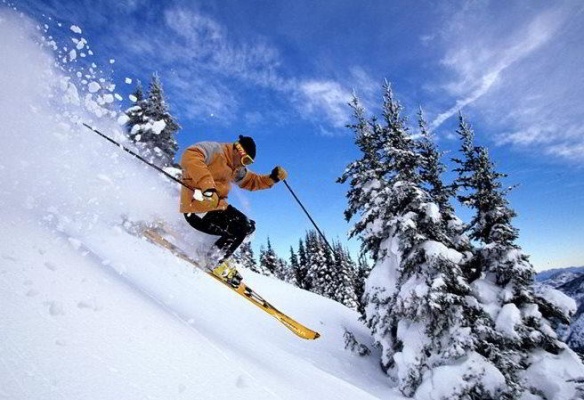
{"x":466,"y":166}
{"x":365,"y":180}
{"x":520,"y":340}
{"x":345,"y":277}
{"x":135,"y":114}
{"x":295,"y":268}
{"x":302,"y":272}
{"x":322,"y":274}
{"x":268,"y":260}
{"x":330,"y":260}
{"x":417,"y":300}
{"x":151,"y":126}
{"x":283,"y":271}
{"x":363,"y":270}
{"x":431,"y":170}
{"x":246,"y":258}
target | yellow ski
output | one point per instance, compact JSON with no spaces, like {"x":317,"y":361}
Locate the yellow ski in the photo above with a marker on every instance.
{"x":243,"y":290}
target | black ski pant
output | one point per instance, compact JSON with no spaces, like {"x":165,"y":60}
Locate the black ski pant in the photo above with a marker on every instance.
{"x":232,"y":227}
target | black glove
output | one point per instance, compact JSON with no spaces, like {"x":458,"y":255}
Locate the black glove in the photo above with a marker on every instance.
{"x":278,"y":174}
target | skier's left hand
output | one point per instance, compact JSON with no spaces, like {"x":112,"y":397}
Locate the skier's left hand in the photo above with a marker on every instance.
{"x":278,"y":174}
{"x":209,"y":195}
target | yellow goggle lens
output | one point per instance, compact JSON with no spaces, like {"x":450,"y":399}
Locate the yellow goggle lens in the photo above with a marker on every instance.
{"x":245,"y":158}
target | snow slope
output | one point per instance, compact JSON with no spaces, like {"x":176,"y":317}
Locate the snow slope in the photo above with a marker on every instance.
{"x":109,"y":316}
{"x":89,"y":311}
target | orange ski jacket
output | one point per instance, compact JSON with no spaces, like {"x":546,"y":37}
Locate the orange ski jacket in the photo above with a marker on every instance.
{"x":209,"y":165}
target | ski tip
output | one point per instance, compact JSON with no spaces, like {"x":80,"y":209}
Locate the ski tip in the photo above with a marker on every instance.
{"x":311,"y":335}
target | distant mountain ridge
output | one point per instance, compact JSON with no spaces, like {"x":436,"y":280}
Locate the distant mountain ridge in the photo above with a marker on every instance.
{"x":553,"y":273}
{"x":570,"y":281}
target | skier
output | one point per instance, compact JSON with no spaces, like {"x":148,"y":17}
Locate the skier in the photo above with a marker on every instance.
{"x":209,"y":168}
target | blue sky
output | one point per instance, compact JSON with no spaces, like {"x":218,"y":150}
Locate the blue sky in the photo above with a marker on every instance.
{"x":283,"y":72}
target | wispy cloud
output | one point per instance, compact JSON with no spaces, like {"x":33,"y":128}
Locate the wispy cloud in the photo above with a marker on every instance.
{"x":206,"y":66}
{"x":326,"y":101}
{"x":200,"y":61}
{"x":209,"y":71}
{"x":478,"y":65}
{"x":325,"y":98}
{"x":207,"y":44}
{"x":200,"y":99}
{"x":525,"y":78}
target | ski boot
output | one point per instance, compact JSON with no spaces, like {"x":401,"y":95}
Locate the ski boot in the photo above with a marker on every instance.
{"x":228,"y":274}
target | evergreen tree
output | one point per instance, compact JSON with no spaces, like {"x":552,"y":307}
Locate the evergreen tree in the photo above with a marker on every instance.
{"x":365,"y":180}
{"x":283,"y":271}
{"x":520,"y":327}
{"x":467,"y":165}
{"x":151,"y":126}
{"x":268,"y":260}
{"x":431,"y":170}
{"x":302,"y":272}
{"x":344,"y":278}
{"x":417,"y":302}
{"x":135,"y":113}
{"x":363,"y":271}
{"x":246,"y":258}
{"x":321,"y":269}
{"x":295,"y":268}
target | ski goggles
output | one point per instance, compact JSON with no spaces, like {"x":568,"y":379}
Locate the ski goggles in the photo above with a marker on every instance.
{"x":245,"y":158}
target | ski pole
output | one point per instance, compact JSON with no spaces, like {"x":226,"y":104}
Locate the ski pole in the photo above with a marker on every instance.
{"x":308,"y":215}
{"x":136,"y":155}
